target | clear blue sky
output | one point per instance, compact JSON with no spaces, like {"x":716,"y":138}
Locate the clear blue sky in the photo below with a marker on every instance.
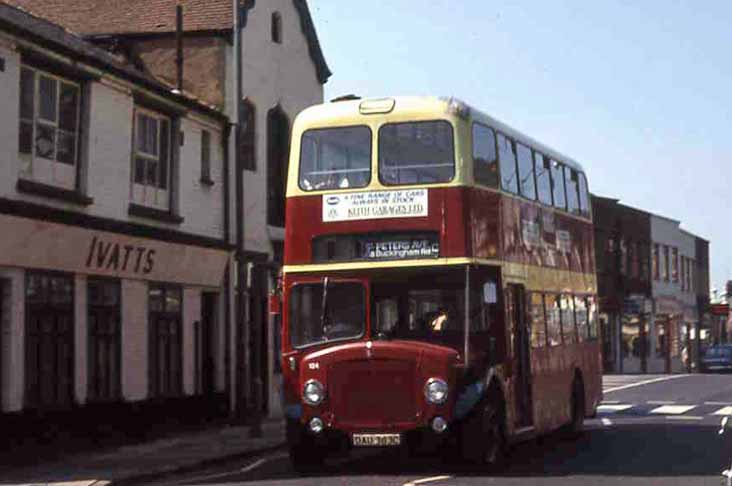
{"x":640,"y":92}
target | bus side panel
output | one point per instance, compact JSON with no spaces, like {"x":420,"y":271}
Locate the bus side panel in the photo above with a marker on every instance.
{"x":540,"y":236}
{"x":483,"y":223}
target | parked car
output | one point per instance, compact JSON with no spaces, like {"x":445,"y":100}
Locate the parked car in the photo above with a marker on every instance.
{"x":717,"y":358}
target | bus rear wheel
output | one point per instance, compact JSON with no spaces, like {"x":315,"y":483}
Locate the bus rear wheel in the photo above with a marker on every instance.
{"x":577,"y":408}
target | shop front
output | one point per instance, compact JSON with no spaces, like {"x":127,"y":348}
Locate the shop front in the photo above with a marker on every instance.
{"x":107,"y":326}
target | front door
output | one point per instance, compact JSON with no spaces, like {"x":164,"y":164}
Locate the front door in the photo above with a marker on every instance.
{"x":520,"y":338}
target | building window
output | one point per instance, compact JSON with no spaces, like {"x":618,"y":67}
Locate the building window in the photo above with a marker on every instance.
{"x":277,"y":28}
{"x":538,"y":321}
{"x":206,"y":157}
{"x":543,"y":178}
{"x":623,"y":257}
{"x":247,"y":136}
{"x":656,"y":263}
{"x":278,"y":149}
{"x":104,"y":314}
{"x":675,"y":265}
{"x":166,"y":345}
{"x":151,"y":172}
{"x":692,"y":275}
{"x":634,"y":256}
{"x":49,"y":340}
{"x":643,"y":257}
{"x":666,"y":268}
{"x":485,"y":159}
{"x":48,"y":135}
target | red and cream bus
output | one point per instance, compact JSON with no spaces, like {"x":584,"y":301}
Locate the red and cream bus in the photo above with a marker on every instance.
{"x":439,"y":282}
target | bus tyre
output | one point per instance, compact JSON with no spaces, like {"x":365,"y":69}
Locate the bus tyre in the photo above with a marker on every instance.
{"x":577,"y":408}
{"x":484,"y":435}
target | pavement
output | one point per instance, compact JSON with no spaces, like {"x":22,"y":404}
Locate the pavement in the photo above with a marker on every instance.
{"x":149,"y":461}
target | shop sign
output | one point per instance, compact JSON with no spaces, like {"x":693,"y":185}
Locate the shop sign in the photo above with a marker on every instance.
{"x":408,"y":203}
{"x":43,"y":245}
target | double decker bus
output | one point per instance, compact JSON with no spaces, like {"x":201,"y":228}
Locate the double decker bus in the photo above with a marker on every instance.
{"x":439,"y":283}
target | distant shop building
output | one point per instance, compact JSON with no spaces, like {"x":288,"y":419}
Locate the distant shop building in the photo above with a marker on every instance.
{"x":653,"y":280}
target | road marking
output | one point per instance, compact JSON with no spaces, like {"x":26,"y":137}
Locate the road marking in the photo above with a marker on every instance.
{"x":427,"y":480}
{"x":723,"y":404}
{"x":659,"y":402}
{"x":684,"y":417}
{"x":645,"y":382}
{"x":723,"y":411}
{"x":613,"y":408}
{"x":672,"y":409}
{"x":609,"y":402}
{"x":244,"y":469}
{"x":606,"y":421}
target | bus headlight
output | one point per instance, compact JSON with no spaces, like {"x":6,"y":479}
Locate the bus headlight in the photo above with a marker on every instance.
{"x":435,"y":391}
{"x":313,"y":392}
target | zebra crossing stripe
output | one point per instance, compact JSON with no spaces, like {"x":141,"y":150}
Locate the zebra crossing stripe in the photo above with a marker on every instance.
{"x":672,"y":409}
{"x":723,"y":411}
{"x":613,"y":408}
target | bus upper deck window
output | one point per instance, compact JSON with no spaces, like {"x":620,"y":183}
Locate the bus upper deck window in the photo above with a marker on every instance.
{"x":335,"y":158}
{"x":416,"y":153}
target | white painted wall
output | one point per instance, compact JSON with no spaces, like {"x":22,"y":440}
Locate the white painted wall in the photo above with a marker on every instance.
{"x":667,"y":232}
{"x":134,"y":340}
{"x":273,"y":74}
{"x":109,"y":165}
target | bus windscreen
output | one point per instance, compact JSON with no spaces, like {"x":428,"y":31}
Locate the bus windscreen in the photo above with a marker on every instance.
{"x":335,"y":158}
{"x":416,"y":153}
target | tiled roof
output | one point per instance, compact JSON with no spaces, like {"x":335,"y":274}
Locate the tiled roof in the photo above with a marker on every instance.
{"x":125,"y":17}
{"x":130,"y":16}
{"x":55,"y":37}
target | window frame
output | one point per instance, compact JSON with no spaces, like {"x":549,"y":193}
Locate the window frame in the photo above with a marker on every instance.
{"x":158,"y":193}
{"x":476,"y":179}
{"x":518,"y":171}
{"x":546,"y":166}
{"x":115,"y":386}
{"x":276,"y":28}
{"x":206,"y":152}
{"x":335,"y":189}
{"x":453,"y":147}
{"x":154,"y":317}
{"x":31,"y":156}
{"x":555,"y":165}
{"x":366,"y":308}
{"x":512,"y":146}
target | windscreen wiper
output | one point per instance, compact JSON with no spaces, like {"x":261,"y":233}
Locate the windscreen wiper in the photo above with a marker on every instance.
{"x":324,"y":309}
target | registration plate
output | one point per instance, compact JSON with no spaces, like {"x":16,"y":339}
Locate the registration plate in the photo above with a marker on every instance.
{"x":376,"y":440}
